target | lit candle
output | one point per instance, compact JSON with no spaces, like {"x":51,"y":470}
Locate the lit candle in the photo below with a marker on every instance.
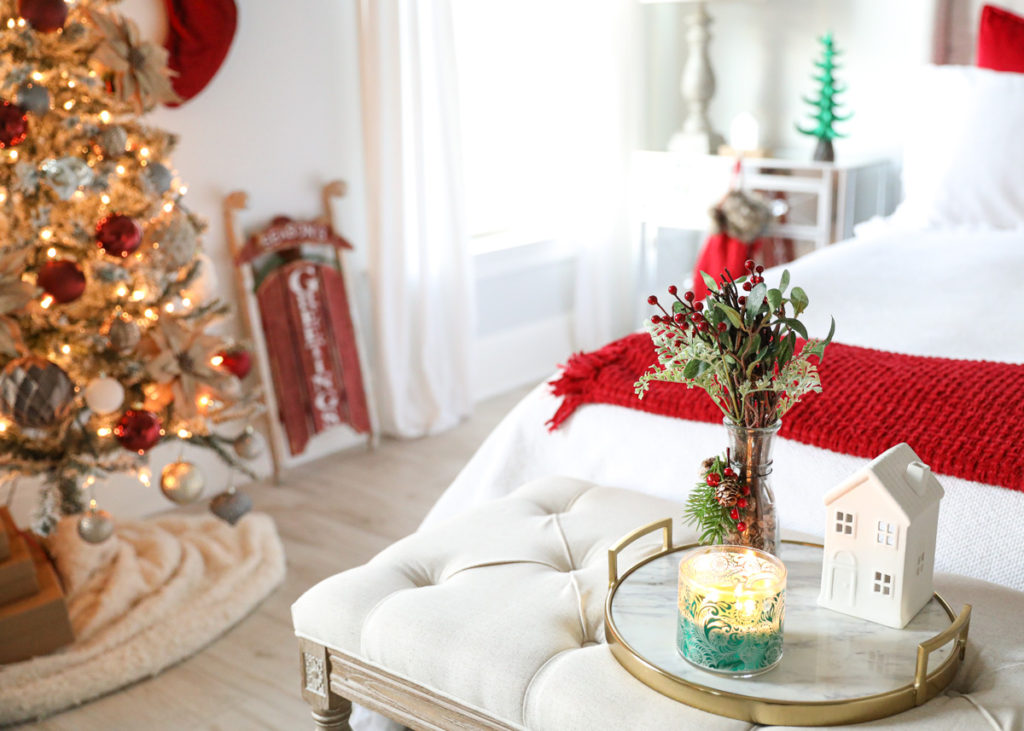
{"x":731,"y":608}
{"x":744,"y":133}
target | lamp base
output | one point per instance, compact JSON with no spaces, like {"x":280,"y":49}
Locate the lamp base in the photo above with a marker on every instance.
{"x":696,"y":143}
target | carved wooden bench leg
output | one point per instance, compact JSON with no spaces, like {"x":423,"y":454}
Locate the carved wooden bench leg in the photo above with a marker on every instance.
{"x":330,"y":710}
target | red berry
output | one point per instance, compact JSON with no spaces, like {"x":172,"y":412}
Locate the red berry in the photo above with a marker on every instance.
{"x":749,"y":264}
{"x":745,"y":490}
{"x":734,"y":514}
{"x":703,"y":326}
{"x":729,"y":472}
{"x":680,"y":318}
{"x":672,"y":289}
{"x":722,"y":327}
{"x":655,"y":319}
{"x":741,"y":526}
{"x":689,"y":296}
{"x":759,"y":269}
{"x":699,"y":306}
{"x":713,"y":479}
{"x":742,"y":300}
{"x":652,"y":300}
{"x":741,"y":502}
{"x":747,"y":286}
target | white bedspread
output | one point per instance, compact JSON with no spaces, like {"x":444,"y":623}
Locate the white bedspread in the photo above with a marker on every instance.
{"x":950,"y":294}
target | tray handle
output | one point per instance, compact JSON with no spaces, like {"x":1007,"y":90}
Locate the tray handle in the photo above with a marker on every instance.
{"x":957,"y":629}
{"x":664,"y":524}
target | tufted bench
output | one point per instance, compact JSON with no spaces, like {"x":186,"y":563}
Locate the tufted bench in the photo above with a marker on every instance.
{"x":495,"y":620}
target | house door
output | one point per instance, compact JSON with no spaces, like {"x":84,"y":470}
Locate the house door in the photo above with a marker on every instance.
{"x":844,"y":578}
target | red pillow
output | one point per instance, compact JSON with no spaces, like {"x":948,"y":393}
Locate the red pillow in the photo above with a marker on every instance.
{"x":1000,"y":40}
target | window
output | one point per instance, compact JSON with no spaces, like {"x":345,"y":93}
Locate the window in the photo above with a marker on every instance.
{"x":886,"y":535}
{"x":844,"y":523}
{"x":920,"y":564}
{"x":883,"y":584}
{"x":537,"y":105}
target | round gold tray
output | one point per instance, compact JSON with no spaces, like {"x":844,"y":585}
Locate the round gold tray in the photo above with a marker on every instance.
{"x":836,"y":669}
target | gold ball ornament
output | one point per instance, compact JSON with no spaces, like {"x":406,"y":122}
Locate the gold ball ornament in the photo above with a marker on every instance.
{"x":246,"y":444}
{"x":95,"y":526}
{"x":181,"y":482}
{"x":158,"y":396}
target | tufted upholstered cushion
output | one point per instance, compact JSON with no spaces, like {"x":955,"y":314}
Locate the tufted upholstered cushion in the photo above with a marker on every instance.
{"x":501,"y":608}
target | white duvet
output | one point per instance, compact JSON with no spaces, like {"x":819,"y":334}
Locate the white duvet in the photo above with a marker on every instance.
{"x":949,"y":294}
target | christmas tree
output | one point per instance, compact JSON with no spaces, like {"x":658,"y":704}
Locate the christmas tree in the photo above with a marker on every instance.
{"x":824,"y":114}
{"x":103,"y":333}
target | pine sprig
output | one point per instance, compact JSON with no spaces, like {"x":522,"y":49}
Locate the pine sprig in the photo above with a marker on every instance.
{"x":703,"y":509}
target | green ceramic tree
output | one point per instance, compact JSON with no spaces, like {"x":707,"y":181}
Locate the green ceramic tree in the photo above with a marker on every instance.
{"x":824,"y":116}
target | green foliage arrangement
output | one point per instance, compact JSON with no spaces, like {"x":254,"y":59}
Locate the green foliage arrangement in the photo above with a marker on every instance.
{"x":740,"y":345}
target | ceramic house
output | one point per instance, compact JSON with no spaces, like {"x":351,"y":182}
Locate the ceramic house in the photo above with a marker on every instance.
{"x":880,"y":539}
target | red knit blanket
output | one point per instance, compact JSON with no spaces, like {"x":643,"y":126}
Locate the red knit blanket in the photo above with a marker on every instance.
{"x":964,"y":418}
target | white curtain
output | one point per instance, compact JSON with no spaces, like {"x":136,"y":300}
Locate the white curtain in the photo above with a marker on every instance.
{"x":418,"y":257}
{"x":596,"y":221}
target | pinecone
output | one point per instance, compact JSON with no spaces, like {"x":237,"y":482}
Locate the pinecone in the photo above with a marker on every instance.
{"x":754,"y":537}
{"x":706,"y":465}
{"x":728,"y":492}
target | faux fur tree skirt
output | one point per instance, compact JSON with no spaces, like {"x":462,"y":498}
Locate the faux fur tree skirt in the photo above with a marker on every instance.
{"x":154,"y":593}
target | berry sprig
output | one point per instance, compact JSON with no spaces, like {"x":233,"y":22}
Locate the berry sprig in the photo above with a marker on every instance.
{"x":739,"y":344}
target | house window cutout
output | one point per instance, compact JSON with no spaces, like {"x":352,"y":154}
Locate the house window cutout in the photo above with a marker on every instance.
{"x":844,"y":523}
{"x":886,"y":535}
{"x":920,"y":564}
{"x":883,"y":584}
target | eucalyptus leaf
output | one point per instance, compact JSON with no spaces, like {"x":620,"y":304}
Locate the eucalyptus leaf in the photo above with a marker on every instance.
{"x":793,"y":324}
{"x":774,"y":299}
{"x":733,"y":315}
{"x":691,"y":368}
{"x":800,"y":300}
{"x":678,"y":307}
{"x":709,"y":281}
{"x":784,"y":281}
{"x":756,"y":298}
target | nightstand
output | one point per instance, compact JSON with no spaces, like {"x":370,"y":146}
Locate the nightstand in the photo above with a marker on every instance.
{"x":822,"y":202}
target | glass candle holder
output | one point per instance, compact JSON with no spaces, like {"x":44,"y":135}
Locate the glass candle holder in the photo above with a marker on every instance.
{"x":732,"y":601}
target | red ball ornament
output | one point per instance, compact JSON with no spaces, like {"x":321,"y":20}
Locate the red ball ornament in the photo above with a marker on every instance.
{"x":713,"y":479}
{"x":45,"y":16}
{"x":734,"y":514}
{"x":236,"y":361}
{"x":741,"y":503}
{"x":62,"y":280}
{"x":13,"y":124}
{"x":741,"y":526}
{"x":138,"y":430}
{"x":119,"y":235}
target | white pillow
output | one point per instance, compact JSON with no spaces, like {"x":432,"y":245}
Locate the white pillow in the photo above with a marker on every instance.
{"x":963,"y":161}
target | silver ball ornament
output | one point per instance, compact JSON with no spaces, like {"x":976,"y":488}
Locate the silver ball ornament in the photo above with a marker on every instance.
{"x":104,"y":395}
{"x":231,"y":505}
{"x":247,"y":445}
{"x":181,"y":482}
{"x":35,"y":393}
{"x":95,"y":526}
{"x":124,"y":335}
{"x":159,"y":176}
{"x":34,"y":98}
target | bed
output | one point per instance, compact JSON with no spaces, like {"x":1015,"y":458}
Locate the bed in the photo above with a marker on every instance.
{"x":867,"y":284}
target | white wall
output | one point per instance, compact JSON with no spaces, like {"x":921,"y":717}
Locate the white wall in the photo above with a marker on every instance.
{"x":280,"y":118}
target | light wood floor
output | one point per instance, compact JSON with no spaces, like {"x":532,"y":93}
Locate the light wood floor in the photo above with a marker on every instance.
{"x":332,"y":515}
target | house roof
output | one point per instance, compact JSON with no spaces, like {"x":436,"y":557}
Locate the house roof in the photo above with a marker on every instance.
{"x":902,"y":475}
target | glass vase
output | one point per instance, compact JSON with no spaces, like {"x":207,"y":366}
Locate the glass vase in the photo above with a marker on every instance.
{"x":750,"y":455}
